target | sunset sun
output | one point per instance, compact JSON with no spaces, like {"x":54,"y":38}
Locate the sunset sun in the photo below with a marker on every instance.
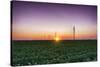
{"x":57,"y":39}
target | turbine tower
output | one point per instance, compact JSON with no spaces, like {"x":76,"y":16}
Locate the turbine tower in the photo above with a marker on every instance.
{"x":73,"y":32}
{"x":55,"y":34}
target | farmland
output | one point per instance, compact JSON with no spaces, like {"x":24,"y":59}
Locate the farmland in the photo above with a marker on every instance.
{"x":39,"y":52}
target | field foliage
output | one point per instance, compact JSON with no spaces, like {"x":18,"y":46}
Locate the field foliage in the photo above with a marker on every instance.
{"x":51,"y":52}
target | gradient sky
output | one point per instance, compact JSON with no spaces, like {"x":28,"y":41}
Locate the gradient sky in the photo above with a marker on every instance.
{"x":40,"y":21}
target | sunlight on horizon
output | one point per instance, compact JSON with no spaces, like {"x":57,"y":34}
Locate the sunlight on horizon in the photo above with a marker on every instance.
{"x":57,"y":39}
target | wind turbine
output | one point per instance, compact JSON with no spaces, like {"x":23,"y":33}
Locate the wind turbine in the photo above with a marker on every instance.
{"x":73,"y":32}
{"x":56,"y":38}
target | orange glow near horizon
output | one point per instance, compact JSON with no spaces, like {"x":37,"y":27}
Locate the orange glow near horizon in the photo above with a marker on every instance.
{"x":50,"y":36}
{"x":57,"y":39}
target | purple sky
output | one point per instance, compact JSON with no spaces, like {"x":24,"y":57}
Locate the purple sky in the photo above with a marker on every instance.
{"x":35,"y":17}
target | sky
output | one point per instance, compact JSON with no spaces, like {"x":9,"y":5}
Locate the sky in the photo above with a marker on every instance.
{"x":40,"y":21}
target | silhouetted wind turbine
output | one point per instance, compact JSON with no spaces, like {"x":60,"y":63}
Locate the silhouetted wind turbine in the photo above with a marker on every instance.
{"x":55,"y":34}
{"x":73,"y":32}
